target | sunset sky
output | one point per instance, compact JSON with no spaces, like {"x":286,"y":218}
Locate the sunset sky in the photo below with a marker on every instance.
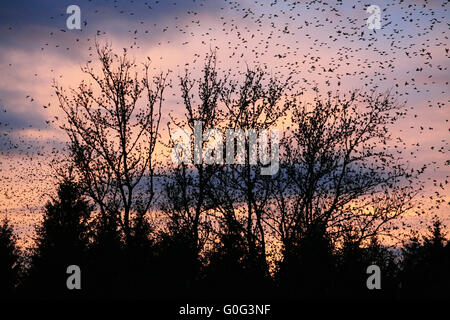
{"x":325,"y":43}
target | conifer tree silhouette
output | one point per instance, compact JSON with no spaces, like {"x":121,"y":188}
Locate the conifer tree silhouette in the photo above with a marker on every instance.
{"x":9,"y":261}
{"x":62,"y":240}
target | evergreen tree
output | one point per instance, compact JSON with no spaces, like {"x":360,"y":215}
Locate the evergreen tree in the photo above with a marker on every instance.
{"x":426,"y":265}
{"x":62,"y":240}
{"x":9,"y":260}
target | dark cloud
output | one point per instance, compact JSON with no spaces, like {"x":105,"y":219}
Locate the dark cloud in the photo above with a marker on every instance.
{"x":41,"y":25}
{"x":16,"y":119}
{"x":17,"y":16}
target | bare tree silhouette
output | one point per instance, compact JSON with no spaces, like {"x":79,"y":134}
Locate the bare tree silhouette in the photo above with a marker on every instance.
{"x":338,"y":171}
{"x":113,"y":137}
{"x":187,"y":203}
{"x":241,"y":193}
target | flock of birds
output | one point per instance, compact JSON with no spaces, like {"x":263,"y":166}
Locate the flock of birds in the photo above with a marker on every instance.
{"x":320,"y":44}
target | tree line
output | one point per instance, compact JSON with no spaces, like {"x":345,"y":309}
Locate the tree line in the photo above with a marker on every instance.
{"x":139,"y":227}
